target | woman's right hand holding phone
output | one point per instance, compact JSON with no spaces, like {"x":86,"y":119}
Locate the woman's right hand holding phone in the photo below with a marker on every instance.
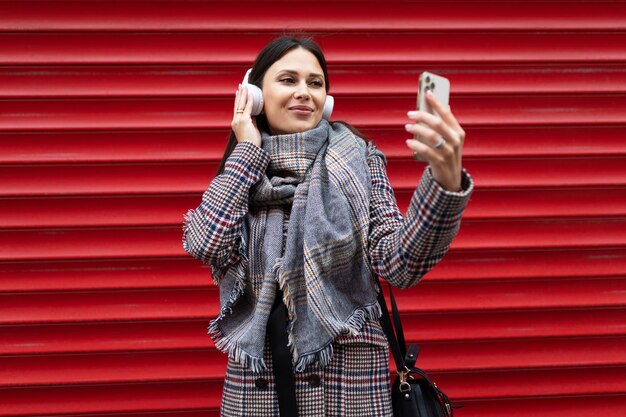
{"x":243,"y":124}
{"x":441,"y":143}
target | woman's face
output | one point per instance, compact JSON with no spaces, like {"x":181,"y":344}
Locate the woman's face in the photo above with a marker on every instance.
{"x":294,"y":92}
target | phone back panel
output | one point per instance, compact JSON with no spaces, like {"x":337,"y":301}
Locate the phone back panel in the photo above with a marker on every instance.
{"x":440,"y":86}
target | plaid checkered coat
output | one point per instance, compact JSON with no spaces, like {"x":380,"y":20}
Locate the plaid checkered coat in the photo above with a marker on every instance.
{"x":402,"y":250}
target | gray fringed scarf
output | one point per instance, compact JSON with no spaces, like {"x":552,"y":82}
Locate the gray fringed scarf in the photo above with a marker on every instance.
{"x":324,"y":273}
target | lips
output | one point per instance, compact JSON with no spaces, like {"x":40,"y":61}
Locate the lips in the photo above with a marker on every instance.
{"x":301,"y":109}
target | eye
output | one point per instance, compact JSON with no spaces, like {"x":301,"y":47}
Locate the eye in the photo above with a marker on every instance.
{"x":288,"y":79}
{"x":318,"y":83}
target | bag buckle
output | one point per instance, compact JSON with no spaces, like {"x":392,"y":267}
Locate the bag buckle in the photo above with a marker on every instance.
{"x":404,"y":375}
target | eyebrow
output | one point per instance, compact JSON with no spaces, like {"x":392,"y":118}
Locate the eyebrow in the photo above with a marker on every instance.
{"x":296,"y":73}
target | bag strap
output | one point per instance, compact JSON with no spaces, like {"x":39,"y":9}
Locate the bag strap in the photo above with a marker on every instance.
{"x":394,"y":345}
{"x":399,"y":359}
{"x":397,"y":323}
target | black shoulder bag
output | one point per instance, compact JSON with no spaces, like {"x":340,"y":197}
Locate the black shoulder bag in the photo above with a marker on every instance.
{"x":413,"y":393}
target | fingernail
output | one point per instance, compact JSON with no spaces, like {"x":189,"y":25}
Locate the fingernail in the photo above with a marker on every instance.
{"x":411,"y":113}
{"x":408,"y":141}
{"x":429,"y":93}
{"x":408,"y":126}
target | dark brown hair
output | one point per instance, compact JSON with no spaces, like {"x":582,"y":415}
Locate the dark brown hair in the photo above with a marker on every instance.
{"x":271,"y":53}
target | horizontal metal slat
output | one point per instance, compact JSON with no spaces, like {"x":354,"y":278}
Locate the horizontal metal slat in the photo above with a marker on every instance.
{"x":86,"y":211}
{"x":572,"y":406}
{"x":510,"y":294}
{"x":533,"y":382}
{"x":213,"y":48}
{"x":109,"y":81}
{"x":480,"y":326}
{"x":528,"y":203}
{"x":119,"y":398}
{"x":143,"y":366}
{"x":537,"y":406}
{"x":525,"y":353}
{"x":180,"y":413}
{"x":522,"y":353}
{"x":548,"y":233}
{"x":526,"y":172}
{"x":186,"y":272}
{"x":103,"y":305}
{"x":193,"y":177}
{"x":506,"y":141}
{"x":469,"y":78}
{"x":120,"y":242}
{"x":92,"y":337}
{"x":178,"y":365}
{"x":161,"y":210}
{"x":173,"y":304}
{"x":525,"y":264}
{"x":190,"y":397}
{"x":201,"y":365}
{"x":208,"y":145}
{"x":103,"y":274}
{"x":81,"y":338}
{"x":112,"y":146}
{"x":198,"y":113}
{"x":96,"y":179}
{"x":61,"y":16}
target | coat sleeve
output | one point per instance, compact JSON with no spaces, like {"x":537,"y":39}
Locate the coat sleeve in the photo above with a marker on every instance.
{"x":212,"y":231}
{"x":403,"y":249}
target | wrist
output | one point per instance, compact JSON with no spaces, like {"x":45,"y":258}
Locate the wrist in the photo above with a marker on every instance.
{"x":254,"y":142}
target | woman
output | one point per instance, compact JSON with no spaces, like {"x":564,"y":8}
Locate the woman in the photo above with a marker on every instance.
{"x":300,"y":220}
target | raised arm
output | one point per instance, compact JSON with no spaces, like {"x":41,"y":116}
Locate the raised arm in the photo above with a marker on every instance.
{"x":403,"y":249}
{"x":212,"y":231}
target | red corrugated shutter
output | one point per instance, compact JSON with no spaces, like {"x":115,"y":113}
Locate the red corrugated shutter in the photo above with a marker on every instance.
{"x":113,"y":118}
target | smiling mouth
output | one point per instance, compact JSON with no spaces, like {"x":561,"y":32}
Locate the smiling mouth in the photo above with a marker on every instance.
{"x":301,"y":111}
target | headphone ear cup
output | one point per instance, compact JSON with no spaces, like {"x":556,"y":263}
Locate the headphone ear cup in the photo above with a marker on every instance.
{"x":257,"y":99}
{"x":328,"y":107}
{"x":256,"y":94}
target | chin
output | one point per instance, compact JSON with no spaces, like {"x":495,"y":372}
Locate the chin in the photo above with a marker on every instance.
{"x":306,"y":126}
{"x":298,"y":126}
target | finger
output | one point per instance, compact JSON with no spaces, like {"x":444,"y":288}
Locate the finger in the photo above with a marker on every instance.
{"x":424,"y":134}
{"x":237,"y":94}
{"x":424,"y":152}
{"x":248,"y":109}
{"x":444,"y":112}
{"x":241,"y":100}
{"x":435,"y":123}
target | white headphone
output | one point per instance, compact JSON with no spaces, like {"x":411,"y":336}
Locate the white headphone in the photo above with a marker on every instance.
{"x":257,"y":99}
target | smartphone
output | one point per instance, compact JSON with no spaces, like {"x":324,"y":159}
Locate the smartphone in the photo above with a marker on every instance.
{"x":440,"y":87}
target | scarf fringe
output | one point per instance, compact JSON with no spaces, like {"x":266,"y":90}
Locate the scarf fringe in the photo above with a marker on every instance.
{"x":187,"y":219}
{"x":291,"y":309}
{"x":353,"y":325}
{"x":323,"y":357}
{"x":361,"y":315}
{"x":227,"y":345}
{"x":186,"y":226}
{"x":235,"y":352}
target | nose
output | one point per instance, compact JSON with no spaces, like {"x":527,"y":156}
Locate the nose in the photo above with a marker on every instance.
{"x":302,"y":90}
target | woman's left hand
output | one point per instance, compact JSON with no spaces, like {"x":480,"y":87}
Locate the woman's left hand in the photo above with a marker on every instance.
{"x":445,"y":159}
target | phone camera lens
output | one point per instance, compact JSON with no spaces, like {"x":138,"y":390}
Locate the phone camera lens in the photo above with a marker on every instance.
{"x":427,"y":80}
{"x":432,"y":86}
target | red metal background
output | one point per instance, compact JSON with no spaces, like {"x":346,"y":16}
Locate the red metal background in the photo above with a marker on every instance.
{"x":113,"y":118}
